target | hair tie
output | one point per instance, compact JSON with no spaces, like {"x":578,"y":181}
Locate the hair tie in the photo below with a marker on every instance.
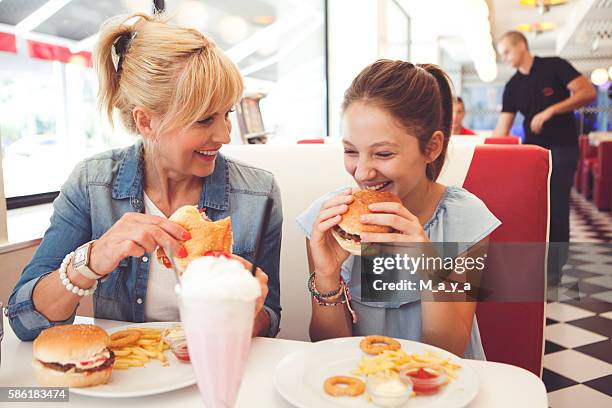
{"x":122,"y":46}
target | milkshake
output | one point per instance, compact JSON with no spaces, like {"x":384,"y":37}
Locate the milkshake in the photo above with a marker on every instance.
{"x":217,"y":305}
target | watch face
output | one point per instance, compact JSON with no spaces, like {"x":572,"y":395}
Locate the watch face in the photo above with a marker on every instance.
{"x":79,"y":256}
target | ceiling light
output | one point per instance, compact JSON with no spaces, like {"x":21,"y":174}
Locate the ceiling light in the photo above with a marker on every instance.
{"x":476,"y":33}
{"x":538,"y":27}
{"x":263,"y":20}
{"x":233,"y":29}
{"x":542,"y":4}
{"x":192,"y":14}
{"x":599,"y":76}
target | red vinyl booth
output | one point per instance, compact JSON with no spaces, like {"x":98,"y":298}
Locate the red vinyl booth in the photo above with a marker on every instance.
{"x":512,"y":140}
{"x":602,"y":176}
{"x":513,"y":182}
{"x":311,"y":141}
{"x":587,"y":157}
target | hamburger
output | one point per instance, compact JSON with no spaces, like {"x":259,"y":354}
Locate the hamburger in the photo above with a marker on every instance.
{"x":348,"y":231}
{"x":74,"y":355}
{"x":206,"y":236}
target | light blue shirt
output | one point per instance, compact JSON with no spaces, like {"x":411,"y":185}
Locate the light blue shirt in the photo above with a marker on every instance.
{"x":460,"y":217}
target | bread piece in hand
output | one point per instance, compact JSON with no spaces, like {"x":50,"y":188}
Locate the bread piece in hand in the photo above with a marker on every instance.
{"x":206,"y":236}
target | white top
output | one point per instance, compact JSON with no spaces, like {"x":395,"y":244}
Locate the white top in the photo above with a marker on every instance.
{"x":161,"y":304}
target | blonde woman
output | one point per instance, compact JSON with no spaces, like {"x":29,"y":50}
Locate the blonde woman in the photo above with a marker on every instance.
{"x":174,"y":88}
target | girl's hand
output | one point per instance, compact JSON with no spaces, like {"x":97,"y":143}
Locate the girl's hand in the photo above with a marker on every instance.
{"x":327,"y":254}
{"x":395,"y":215}
{"x":133,"y":235}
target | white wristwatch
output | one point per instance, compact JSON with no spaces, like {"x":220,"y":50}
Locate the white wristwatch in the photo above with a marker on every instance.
{"x":81,"y":261}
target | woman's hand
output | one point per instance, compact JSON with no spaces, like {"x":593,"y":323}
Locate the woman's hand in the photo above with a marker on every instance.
{"x":263,"y":283}
{"x":133,"y":235}
{"x":407,"y":226}
{"x":327,"y":254}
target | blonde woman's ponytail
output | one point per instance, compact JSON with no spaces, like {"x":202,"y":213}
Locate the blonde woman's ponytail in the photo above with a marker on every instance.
{"x":175,"y":72}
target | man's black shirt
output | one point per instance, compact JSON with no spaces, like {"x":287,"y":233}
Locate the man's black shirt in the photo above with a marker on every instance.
{"x":545,"y":85}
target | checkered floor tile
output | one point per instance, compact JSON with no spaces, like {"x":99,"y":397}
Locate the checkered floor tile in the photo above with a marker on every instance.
{"x":578,"y":348}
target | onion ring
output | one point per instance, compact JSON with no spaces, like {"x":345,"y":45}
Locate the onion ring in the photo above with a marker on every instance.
{"x":352,"y":387}
{"x":124,"y":338}
{"x":377,"y":344}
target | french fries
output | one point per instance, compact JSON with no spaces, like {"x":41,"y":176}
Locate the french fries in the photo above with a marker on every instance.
{"x":391,"y":361}
{"x":149,"y":346}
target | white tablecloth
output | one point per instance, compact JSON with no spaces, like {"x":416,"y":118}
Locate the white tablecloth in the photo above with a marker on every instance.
{"x":501,"y":385}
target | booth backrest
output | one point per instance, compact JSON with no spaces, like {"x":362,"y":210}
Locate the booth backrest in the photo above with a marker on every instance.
{"x":511,"y":180}
{"x":512,"y":140}
{"x":311,"y":141}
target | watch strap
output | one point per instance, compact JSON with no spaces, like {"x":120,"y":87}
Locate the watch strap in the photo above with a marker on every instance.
{"x":83,"y":268}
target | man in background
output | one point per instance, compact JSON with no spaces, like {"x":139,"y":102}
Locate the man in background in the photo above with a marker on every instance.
{"x":546,"y":91}
{"x":458,"y":115}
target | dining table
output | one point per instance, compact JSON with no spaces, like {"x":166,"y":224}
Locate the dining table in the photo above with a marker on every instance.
{"x":501,"y":385}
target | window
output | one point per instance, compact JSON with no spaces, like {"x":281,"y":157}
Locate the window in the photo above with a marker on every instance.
{"x":48,"y":123}
{"x":48,"y":115}
{"x":279,"y":47}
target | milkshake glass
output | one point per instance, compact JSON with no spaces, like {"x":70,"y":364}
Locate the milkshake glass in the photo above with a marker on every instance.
{"x":217,"y":304}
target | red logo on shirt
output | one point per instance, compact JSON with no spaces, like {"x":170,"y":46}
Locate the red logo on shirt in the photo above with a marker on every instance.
{"x":548,"y":91}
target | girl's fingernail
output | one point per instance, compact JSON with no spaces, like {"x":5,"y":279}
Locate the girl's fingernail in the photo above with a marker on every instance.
{"x":182,"y":253}
{"x":186,"y":235}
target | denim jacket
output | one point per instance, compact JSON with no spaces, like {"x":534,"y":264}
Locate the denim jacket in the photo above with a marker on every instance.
{"x":103,"y":188}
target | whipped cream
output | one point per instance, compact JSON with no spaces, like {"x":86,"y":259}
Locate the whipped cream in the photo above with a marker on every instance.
{"x":220,"y":278}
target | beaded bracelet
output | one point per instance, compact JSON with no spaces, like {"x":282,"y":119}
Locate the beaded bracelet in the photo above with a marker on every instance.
{"x":70,"y":287}
{"x":315,"y":293}
{"x":322,"y":302}
{"x":343,"y":290}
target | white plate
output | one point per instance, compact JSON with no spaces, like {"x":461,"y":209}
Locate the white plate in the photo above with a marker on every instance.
{"x":299,"y":376}
{"x":151,"y":379}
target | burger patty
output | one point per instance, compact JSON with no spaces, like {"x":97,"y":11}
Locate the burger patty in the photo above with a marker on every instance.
{"x":346,"y":235}
{"x":68,"y":367}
